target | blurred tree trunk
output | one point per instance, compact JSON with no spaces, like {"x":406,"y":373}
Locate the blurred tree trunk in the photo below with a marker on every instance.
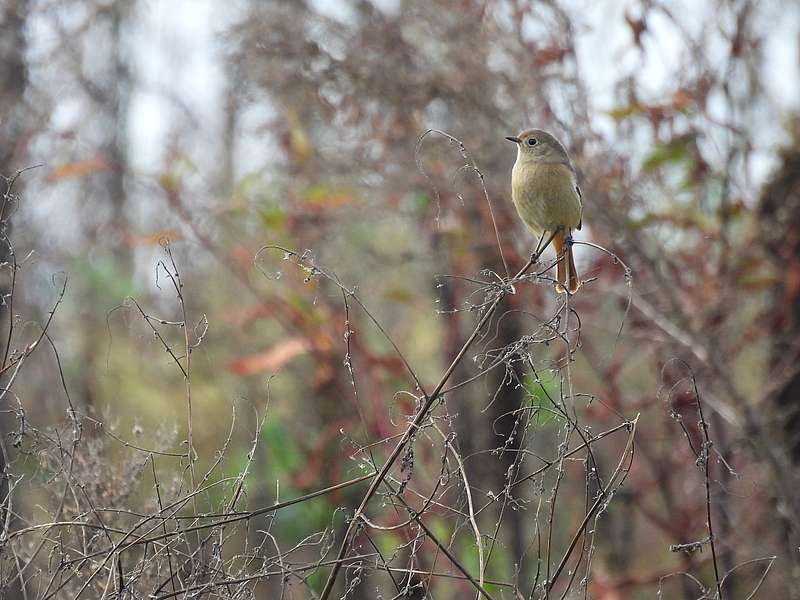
{"x":497,"y":427}
{"x":118,"y":100}
{"x":13,"y":82}
{"x":779,"y":219}
{"x":110,"y":94}
{"x":780,"y":231}
{"x":506,"y":427}
{"x":226,"y":178}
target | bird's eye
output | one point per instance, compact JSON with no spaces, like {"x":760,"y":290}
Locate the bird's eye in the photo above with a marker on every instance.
{"x":532,"y":141}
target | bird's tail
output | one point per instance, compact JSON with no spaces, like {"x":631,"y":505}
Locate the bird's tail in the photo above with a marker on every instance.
{"x":566,"y":274}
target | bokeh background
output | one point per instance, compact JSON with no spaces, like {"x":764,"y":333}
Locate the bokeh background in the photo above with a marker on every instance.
{"x":199,"y":132}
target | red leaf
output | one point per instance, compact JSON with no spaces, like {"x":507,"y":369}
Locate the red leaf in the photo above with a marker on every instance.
{"x":270,"y":360}
{"x":78,"y":169}
{"x":152,"y":239}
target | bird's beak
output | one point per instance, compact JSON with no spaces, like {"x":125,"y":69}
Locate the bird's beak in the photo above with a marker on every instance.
{"x":514,"y":139}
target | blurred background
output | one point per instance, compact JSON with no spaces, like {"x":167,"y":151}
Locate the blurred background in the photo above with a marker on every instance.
{"x":167,"y":143}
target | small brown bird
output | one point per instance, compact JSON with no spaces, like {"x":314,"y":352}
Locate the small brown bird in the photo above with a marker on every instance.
{"x":545,"y":191}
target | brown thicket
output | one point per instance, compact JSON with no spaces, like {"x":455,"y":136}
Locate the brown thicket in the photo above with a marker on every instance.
{"x":335,"y":369}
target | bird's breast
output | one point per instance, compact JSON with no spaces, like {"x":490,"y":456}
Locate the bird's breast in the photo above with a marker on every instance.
{"x":545,"y":196}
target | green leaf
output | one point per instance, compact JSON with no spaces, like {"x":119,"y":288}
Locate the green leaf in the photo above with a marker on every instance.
{"x":624,"y":112}
{"x":327,"y":196}
{"x":284,"y":455}
{"x":104,"y":279}
{"x":420,"y":200}
{"x":541,"y":394}
{"x":273,"y":217}
{"x":399,"y":294}
{"x":673,"y":152}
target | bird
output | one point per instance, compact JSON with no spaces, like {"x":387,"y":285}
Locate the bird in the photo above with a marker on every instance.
{"x":545,"y":192}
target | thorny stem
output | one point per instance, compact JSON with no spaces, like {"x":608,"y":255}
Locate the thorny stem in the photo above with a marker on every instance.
{"x":619,"y":473}
{"x":704,"y":452}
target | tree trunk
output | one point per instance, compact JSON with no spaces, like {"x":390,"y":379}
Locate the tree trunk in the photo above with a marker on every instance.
{"x":779,"y":219}
{"x":13,"y":82}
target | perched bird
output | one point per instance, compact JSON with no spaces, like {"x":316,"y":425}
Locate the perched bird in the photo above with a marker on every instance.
{"x":545,"y":191}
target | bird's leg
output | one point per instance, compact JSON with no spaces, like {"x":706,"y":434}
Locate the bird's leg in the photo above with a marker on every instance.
{"x":567,"y":247}
{"x":539,"y":249}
